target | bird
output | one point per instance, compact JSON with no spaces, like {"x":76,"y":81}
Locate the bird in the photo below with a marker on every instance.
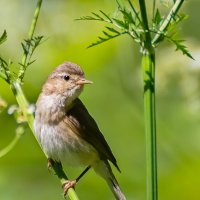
{"x":67,"y":132}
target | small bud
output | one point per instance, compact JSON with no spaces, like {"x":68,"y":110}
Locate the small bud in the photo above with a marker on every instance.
{"x":3,"y":104}
{"x":12,"y":109}
{"x":20,"y":130}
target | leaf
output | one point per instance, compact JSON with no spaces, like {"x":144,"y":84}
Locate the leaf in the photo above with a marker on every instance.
{"x":38,"y":39}
{"x":29,"y":46}
{"x":25,"y":48}
{"x":3,"y":37}
{"x":128,"y":17}
{"x":3,"y":63}
{"x":127,"y":22}
{"x":106,"y":16}
{"x":136,"y":14}
{"x":112,"y":30}
{"x":157,"y":19}
{"x":105,"y":39}
{"x":120,"y":23}
{"x":120,"y":5}
{"x":181,"y":47}
{"x":4,"y":70}
{"x":87,"y":18}
{"x":31,"y":62}
{"x":180,"y":18}
{"x":98,"y":16}
{"x":107,"y":34}
{"x":21,"y":64}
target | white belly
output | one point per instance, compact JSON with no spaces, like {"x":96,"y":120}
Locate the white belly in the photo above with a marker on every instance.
{"x":65,"y":148}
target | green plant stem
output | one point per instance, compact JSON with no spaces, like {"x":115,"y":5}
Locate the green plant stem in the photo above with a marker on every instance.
{"x":30,"y":35}
{"x":24,"y":105}
{"x":148,"y":66}
{"x":167,"y":21}
{"x":9,"y":147}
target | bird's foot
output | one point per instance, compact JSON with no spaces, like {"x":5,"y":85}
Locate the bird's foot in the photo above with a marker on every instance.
{"x":67,"y":185}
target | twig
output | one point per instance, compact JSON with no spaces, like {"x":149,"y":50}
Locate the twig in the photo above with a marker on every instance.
{"x":9,"y":147}
{"x":30,"y":36}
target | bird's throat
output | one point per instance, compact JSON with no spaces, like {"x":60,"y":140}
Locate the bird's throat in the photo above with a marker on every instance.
{"x":52,"y":108}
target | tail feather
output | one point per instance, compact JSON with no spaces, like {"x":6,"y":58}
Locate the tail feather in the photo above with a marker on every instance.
{"x":104,"y":170}
{"x":114,"y":186}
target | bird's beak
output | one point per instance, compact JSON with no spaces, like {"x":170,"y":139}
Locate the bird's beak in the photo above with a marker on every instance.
{"x":83,"y":81}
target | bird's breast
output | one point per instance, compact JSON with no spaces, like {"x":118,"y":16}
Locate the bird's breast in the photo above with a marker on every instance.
{"x":62,"y":144}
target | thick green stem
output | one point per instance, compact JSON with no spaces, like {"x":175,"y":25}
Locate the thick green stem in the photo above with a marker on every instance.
{"x":148,"y":65}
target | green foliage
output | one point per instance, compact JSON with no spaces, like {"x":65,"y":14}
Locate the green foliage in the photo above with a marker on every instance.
{"x":29,"y":46}
{"x":110,"y":32}
{"x":130,"y":22}
{"x":5,"y":72}
{"x":3,"y":37}
{"x":180,"y":46}
{"x":170,"y":31}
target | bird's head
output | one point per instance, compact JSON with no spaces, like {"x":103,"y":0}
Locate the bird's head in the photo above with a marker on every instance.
{"x":66,"y":81}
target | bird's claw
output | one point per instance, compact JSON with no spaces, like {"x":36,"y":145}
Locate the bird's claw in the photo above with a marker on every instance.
{"x":67,"y":185}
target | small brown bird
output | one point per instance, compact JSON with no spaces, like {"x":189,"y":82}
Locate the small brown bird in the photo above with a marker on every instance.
{"x":65,"y":129}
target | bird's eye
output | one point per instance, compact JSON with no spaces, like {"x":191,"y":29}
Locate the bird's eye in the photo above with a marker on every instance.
{"x":66,"y":77}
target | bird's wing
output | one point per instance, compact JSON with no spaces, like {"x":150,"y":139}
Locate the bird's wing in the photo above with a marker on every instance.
{"x":86,"y":127}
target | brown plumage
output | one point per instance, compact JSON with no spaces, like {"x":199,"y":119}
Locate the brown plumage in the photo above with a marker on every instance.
{"x":66,"y":130}
{"x":88,"y":130}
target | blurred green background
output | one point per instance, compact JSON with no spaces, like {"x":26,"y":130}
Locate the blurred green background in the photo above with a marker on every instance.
{"x":115,"y":100}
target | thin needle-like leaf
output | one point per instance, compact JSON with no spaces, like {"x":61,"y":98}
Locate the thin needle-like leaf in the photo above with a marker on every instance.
{"x":3,"y":37}
{"x":109,"y":19}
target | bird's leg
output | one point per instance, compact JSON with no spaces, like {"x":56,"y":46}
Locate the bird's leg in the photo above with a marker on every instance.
{"x":71,"y":184}
{"x":81,"y":175}
{"x":68,"y":183}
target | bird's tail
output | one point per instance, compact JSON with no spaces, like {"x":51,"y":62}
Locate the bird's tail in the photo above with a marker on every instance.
{"x":103,"y":169}
{"x":114,"y":186}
